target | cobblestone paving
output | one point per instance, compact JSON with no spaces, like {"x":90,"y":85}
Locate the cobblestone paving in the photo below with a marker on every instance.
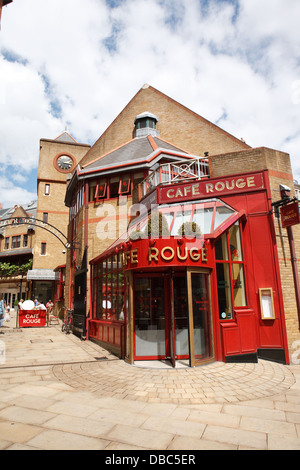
{"x":213,"y":383}
{"x":59,"y":393}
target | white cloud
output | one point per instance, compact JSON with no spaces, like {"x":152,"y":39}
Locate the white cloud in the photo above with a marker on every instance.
{"x":11,"y":194}
{"x":234,"y":62}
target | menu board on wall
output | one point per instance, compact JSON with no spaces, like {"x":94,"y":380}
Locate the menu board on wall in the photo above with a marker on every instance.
{"x":266,"y":304}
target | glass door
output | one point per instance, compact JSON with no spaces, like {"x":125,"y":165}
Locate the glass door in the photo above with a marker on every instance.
{"x":181,"y":320}
{"x":200,"y":318}
{"x":150,"y":332}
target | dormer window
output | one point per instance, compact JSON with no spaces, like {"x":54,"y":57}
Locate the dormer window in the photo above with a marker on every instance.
{"x":145,"y":124}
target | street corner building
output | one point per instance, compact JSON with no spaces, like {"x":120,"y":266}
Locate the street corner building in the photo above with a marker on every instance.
{"x":182,"y":239}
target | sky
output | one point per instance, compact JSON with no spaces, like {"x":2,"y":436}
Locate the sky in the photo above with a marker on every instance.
{"x":74,"y":64}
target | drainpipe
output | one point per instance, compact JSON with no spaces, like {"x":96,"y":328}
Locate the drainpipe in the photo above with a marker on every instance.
{"x":285,"y":194}
{"x":295,"y":270}
{"x":86,"y":232}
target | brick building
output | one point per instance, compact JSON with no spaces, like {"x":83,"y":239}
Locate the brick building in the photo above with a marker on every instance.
{"x":57,"y":159}
{"x":36,"y":232}
{"x":16,"y":252}
{"x":105,"y":275}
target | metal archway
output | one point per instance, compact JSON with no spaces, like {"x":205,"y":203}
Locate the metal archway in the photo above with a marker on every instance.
{"x":15,"y":221}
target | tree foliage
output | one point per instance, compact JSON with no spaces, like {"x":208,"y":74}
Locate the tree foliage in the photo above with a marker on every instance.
{"x":8,"y":269}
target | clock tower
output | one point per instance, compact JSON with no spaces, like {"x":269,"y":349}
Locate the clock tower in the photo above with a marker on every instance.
{"x":58,"y":158}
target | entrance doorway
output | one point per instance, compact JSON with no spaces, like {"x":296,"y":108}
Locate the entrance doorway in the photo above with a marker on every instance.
{"x":172,"y":317}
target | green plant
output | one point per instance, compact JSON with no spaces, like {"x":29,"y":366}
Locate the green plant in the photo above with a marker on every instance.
{"x":8,"y":269}
{"x":189,"y":230}
{"x":157,"y":226}
{"x":136,"y":235}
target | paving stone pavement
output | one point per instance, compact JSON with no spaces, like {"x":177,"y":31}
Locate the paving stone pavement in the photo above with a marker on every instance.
{"x":57,"y":392}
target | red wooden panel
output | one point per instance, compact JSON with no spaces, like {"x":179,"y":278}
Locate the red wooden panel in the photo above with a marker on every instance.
{"x":247,"y":330}
{"x":111,"y":334}
{"x":270,"y":334}
{"x":231,"y":340}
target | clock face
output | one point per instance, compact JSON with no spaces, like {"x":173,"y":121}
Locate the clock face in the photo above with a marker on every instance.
{"x":64,"y":162}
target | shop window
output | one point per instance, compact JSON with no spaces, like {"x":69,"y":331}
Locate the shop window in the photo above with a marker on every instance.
{"x":186,"y":220}
{"x":108,"y":290}
{"x":230,"y":272}
{"x":224,"y":291}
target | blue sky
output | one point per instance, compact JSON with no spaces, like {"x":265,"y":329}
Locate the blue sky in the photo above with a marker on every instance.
{"x":77,"y":64}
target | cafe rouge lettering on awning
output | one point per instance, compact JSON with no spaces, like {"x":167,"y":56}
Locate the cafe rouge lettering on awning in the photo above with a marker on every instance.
{"x":141,"y":254}
{"x":211,"y":187}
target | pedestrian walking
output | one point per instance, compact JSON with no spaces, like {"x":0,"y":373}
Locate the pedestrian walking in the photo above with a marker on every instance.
{"x":2,"y":311}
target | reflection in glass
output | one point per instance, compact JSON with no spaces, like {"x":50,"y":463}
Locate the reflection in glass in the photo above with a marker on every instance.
{"x":201,"y":316}
{"x":181,"y":218}
{"x":238,"y":285}
{"x":235,"y":243}
{"x":181,"y":316}
{"x":222,"y":213}
{"x":224,"y":294}
{"x":203,"y":218}
{"x":221,"y":249}
{"x":149,"y":317}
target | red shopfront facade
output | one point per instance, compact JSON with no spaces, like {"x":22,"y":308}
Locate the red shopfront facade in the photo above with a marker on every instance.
{"x":195,"y":279}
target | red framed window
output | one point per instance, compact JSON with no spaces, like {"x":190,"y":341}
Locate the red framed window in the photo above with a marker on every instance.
{"x":230,"y":272}
{"x":110,"y":188}
{"x":125,"y":184}
{"x":109,"y":290}
{"x":101,"y":188}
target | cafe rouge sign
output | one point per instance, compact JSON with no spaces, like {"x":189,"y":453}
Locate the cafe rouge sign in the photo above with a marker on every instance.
{"x":142,"y":254}
{"x":211,"y":188}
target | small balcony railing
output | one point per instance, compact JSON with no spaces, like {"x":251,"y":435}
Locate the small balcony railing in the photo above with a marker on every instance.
{"x":170,"y":173}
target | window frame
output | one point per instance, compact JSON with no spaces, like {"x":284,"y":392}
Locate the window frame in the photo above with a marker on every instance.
{"x":108,"y":286}
{"x":105,"y":194}
{"x":15,"y":242}
{"x":25,"y":240}
{"x":230,"y":262}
